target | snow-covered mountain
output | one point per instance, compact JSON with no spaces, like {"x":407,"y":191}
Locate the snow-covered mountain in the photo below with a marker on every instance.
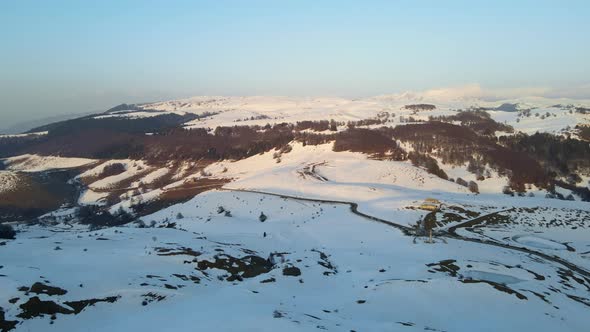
{"x":529,"y":115}
{"x":433,"y":212}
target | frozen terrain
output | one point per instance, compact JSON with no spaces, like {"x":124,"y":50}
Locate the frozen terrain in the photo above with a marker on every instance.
{"x":545,"y":115}
{"x":35,"y":163}
{"x":295,"y":238}
{"x":307,"y":266}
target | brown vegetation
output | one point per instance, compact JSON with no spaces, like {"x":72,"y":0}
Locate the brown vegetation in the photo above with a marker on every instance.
{"x":457,"y":145}
{"x":420,"y":107}
{"x":477,"y":120}
{"x":368,"y":141}
{"x":36,"y":195}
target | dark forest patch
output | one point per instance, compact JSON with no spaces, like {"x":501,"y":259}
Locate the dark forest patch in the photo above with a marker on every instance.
{"x":177,"y":251}
{"x":456,"y":145}
{"x":6,"y":325}
{"x":178,"y":195}
{"x":41,"y":288}
{"x":420,"y":107}
{"x":78,"y":306}
{"x":368,"y":141}
{"x":477,"y":120}
{"x":35,"y":307}
{"x":292,"y":271}
{"x":246,"y":267}
{"x":497,"y":286}
{"x":37,"y":194}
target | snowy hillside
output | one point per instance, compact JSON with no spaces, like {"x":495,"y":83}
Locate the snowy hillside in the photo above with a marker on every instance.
{"x":307,"y":266}
{"x":393,"y":213}
{"x":548,"y":115}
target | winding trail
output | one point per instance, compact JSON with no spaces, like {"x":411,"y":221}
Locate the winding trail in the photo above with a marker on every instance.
{"x":451,"y":234}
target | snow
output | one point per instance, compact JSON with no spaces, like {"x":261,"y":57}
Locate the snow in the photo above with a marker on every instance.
{"x":152,"y":177}
{"x":493,"y":184}
{"x":262,"y":110}
{"x":538,"y":242}
{"x":130,"y":114}
{"x":36,"y":163}
{"x":554,"y":227}
{"x":390,"y":272}
{"x":91,"y":197}
{"x":38,"y":133}
{"x":368,"y":261}
{"x":558,"y":120}
{"x":97,"y":170}
{"x":132,"y":168}
{"x":137,"y":173}
{"x":380,"y":187}
{"x":356,"y":274}
{"x":126,"y":204}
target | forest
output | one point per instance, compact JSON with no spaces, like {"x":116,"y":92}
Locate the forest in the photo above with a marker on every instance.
{"x":468,"y":137}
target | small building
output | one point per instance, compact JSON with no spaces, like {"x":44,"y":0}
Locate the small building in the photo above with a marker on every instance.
{"x":430,"y":204}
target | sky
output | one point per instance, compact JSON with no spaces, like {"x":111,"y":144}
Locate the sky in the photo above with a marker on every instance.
{"x":61,"y":57}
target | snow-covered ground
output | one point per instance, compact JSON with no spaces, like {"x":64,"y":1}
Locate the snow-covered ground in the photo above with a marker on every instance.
{"x":132,"y":168}
{"x":36,"y":163}
{"x":261,"y":110}
{"x":326,"y":268}
{"x":555,"y":120}
{"x":152,"y":177}
{"x":552,"y":228}
{"x":231,"y":260}
{"x":380,"y":187}
{"x":39,"y":133}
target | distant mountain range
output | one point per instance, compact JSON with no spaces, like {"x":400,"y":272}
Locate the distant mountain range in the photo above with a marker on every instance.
{"x":28,"y":125}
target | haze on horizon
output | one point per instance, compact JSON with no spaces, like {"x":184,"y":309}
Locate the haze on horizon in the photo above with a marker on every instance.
{"x":66,"y":57}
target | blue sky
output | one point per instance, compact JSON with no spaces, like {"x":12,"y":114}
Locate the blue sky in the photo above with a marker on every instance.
{"x":78,"y":56}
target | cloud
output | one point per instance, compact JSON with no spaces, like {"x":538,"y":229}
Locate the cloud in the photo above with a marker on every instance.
{"x":471,"y":91}
{"x":576,"y":92}
{"x":477,"y":92}
{"x":514,"y":93}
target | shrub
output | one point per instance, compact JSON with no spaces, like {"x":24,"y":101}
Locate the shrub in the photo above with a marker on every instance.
{"x":429,"y":163}
{"x":96,"y":218}
{"x":461,"y":182}
{"x":420,"y":107}
{"x":507,"y":191}
{"x":112,"y":169}
{"x":333,"y":125}
{"x":7,"y":232}
{"x":473,"y":187}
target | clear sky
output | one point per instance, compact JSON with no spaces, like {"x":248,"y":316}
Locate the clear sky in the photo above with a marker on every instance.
{"x":78,"y":56}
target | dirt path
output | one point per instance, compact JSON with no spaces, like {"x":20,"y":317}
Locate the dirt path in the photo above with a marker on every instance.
{"x":353,"y":207}
{"x":309,"y":170}
{"x":450,"y":234}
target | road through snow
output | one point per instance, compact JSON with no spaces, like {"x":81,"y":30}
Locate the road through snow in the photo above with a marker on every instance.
{"x":410,"y":231}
